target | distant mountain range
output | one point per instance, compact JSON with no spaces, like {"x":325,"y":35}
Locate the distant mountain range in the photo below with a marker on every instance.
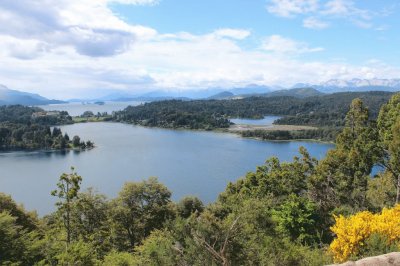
{"x":338,"y":85}
{"x":296,"y":92}
{"x":300,"y":90}
{"x":8,"y":96}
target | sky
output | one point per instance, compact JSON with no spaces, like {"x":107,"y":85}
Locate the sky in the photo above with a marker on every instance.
{"x":88,"y":48}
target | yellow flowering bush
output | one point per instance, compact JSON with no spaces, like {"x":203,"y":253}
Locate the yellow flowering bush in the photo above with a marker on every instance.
{"x":351,"y":232}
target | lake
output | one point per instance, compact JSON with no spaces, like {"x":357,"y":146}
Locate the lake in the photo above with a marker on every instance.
{"x":187,"y":162}
{"x":266,"y":121}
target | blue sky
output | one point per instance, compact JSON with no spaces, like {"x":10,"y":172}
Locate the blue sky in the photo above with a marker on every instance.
{"x":374,"y":37}
{"x":73,"y":48}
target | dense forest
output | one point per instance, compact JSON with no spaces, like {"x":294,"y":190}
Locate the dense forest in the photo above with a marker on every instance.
{"x":174,"y":114}
{"x":326,"y":110}
{"x":304,"y":212}
{"x":24,"y":127}
{"x":323,"y":134}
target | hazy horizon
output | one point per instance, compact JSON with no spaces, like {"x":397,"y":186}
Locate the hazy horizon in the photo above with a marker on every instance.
{"x":85,"y":49}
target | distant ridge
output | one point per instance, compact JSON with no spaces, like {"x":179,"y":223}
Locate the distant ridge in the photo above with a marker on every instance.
{"x":300,"y":90}
{"x":340,"y":85}
{"x":296,"y":92}
{"x":221,"y":96}
{"x":9,"y":97}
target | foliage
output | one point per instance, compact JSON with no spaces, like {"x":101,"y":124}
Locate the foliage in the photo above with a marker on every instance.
{"x":139,"y":209}
{"x":115,"y":258}
{"x":389,"y":135}
{"x":18,"y":246}
{"x":327,"y":110}
{"x":189,"y":205}
{"x":29,"y":128}
{"x":158,"y":249}
{"x":19,"y":114}
{"x":78,"y":253}
{"x":67,"y":192}
{"x":353,"y":232}
{"x":381,"y":191}
{"x":296,"y":219}
{"x":325,"y":134}
{"x":341,"y":178}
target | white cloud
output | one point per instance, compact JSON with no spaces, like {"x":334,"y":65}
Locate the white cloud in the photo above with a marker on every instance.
{"x":289,"y":8}
{"x":321,"y":11}
{"x":237,"y":34}
{"x":89,"y":27}
{"x":279,"y":44}
{"x":314,"y":23}
{"x":80,"y":48}
{"x":135,"y":2}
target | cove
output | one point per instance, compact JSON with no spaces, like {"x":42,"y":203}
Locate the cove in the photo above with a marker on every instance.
{"x":187,"y":162}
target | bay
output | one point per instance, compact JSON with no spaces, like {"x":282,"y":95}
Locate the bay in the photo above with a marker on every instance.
{"x":266,"y":121}
{"x":187,"y":162}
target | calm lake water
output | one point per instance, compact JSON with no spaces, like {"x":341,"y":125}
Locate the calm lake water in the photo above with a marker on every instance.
{"x":187,"y":162}
{"x":266,"y":121}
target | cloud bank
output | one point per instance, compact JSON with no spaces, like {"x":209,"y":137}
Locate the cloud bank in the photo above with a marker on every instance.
{"x":79,"y":48}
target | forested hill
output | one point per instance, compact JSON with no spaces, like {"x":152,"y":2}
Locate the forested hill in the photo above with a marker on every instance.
{"x":325,"y":110}
{"x":33,"y":115}
{"x":23,"y":127}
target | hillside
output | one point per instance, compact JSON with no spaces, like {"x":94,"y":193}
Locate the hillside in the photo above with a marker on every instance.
{"x":325,"y":110}
{"x":296,"y":92}
{"x":221,"y":96}
{"x":10,"y":97}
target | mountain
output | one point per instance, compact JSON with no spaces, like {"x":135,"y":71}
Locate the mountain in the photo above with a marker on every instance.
{"x":8,"y":97}
{"x":296,"y":92}
{"x":222,"y":96}
{"x":340,"y":85}
{"x":253,"y":89}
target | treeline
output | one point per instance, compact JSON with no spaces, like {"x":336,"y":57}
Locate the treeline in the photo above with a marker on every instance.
{"x":19,"y":114}
{"x":327,"y":110}
{"x":173,"y":114}
{"x":304,"y":212}
{"x":23,"y":128}
{"x":323,"y":134}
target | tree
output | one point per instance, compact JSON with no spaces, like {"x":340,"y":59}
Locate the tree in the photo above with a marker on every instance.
{"x":56,"y":132}
{"x":341,"y":178}
{"x":115,"y":258}
{"x":18,"y":246}
{"x":28,"y":220}
{"x":189,"y":205}
{"x":297,"y":219}
{"x":76,"y":141}
{"x":159,"y":248}
{"x":67,"y":192}
{"x":87,"y":114}
{"x":89,"y":219}
{"x":389,"y":136}
{"x":139,"y":208}
{"x":11,"y":246}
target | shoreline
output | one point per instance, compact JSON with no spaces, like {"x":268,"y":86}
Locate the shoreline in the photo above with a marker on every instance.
{"x":233,"y":129}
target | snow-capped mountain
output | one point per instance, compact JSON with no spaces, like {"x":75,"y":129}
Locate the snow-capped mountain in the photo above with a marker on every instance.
{"x":339,"y":85}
